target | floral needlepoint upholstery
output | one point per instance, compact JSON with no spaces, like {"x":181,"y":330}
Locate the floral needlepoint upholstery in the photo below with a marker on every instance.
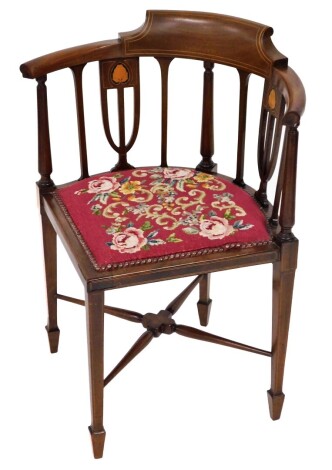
{"x":151,"y":214}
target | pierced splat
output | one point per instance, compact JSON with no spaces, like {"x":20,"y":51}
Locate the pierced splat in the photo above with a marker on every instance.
{"x":120,"y":74}
{"x":270,"y":131}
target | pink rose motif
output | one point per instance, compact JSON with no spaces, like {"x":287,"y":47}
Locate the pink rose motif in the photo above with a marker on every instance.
{"x":178,"y":173}
{"x":130,"y":240}
{"x":215,"y":228}
{"x":103,"y":185}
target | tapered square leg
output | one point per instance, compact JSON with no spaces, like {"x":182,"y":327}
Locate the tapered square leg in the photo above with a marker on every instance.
{"x":275,"y":404}
{"x":95,"y":331}
{"x":204,"y":303}
{"x":98,"y":441}
{"x":53,"y":339}
{"x":283,"y":282}
{"x":50,"y":256}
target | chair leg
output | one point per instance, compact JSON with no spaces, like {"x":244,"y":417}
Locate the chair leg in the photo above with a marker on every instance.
{"x":283,"y":281}
{"x":50,"y":256}
{"x":204,"y":303}
{"x":95,"y":330}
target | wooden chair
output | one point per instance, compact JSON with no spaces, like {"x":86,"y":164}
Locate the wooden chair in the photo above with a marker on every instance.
{"x":134,"y":226}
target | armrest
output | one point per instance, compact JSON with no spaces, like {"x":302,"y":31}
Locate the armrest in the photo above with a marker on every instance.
{"x":70,"y":57}
{"x":292,"y":89}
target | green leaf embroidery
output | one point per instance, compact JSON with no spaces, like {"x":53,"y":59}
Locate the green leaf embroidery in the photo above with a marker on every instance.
{"x":96,"y":209}
{"x":228,"y":215}
{"x":110,"y":230}
{"x":114,"y":229}
{"x":172,"y":239}
{"x":180,"y":185}
{"x":190,"y":230}
{"x":146,"y":226}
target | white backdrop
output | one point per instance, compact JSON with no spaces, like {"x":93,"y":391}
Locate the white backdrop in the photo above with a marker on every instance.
{"x":181,"y":404}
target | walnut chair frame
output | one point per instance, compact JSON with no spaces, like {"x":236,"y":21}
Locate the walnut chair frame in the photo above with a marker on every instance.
{"x":213,"y":39}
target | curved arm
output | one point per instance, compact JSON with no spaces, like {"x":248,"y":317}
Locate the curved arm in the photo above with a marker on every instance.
{"x":290,"y":85}
{"x":70,"y":57}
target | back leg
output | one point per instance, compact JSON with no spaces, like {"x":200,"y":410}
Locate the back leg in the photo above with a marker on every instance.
{"x":50,"y":257}
{"x":204,"y":303}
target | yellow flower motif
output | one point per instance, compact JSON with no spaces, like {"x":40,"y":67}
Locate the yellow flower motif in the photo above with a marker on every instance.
{"x":202,"y":177}
{"x":169,"y":206}
{"x":130,"y":187}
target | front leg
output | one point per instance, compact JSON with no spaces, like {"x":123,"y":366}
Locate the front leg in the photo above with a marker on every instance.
{"x":95,"y":329}
{"x":50,"y":258}
{"x":283,"y":281}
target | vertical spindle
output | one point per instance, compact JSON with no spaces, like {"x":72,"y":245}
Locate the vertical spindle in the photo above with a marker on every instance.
{"x":77,"y":74}
{"x":287,"y":211}
{"x":164,"y":68}
{"x":207,"y":134}
{"x":44,"y":145}
{"x":244,"y":82}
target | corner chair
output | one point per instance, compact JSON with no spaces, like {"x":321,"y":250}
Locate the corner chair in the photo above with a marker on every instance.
{"x":130,"y":226}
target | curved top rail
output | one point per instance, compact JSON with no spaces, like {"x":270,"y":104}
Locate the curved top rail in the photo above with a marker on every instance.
{"x":207,"y":36}
{"x":219,"y":38}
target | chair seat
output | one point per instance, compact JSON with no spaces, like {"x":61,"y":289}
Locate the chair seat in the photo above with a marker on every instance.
{"x":122,"y":218}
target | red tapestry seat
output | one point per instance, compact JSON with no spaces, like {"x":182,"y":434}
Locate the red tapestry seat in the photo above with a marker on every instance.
{"x":150,"y":214}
